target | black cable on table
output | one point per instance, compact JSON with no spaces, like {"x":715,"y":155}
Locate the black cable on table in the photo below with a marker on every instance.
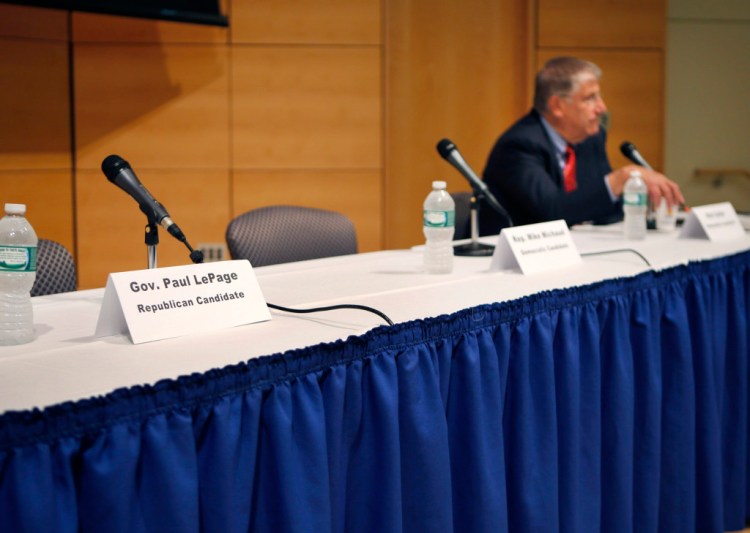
{"x":333,"y":307}
{"x":618,"y":251}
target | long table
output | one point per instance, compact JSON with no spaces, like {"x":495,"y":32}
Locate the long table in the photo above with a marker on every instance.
{"x":609,"y":396}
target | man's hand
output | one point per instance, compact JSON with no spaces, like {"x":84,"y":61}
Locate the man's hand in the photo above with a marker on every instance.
{"x":659,"y":186}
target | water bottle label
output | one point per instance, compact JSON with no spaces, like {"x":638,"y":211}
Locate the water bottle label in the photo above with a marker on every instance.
{"x":635,"y":198}
{"x":17,"y":258}
{"x":439,"y":219}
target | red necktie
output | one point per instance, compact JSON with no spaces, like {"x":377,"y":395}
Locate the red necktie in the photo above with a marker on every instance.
{"x":569,"y":171}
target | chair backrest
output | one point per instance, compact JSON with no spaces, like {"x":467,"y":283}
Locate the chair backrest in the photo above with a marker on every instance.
{"x":55,"y":269}
{"x":283,"y":234}
{"x":463,"y":214}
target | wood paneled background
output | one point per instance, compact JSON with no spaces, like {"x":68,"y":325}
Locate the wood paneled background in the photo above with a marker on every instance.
{"x":328,"y":103}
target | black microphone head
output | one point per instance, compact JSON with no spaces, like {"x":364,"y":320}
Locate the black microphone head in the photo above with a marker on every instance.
{"x":627,"y":148}
{"x":112,"y":165}
{"x":445,"y":147}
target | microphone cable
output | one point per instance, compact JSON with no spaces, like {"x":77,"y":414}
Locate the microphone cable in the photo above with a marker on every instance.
{"x":331,"y":308}
{"x":390,"y":322}
{"x":619,"y":250}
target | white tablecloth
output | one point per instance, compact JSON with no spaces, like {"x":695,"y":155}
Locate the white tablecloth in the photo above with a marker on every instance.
{"x":66,"y":362}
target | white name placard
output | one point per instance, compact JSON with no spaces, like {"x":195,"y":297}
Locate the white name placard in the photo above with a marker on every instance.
{"x":535,"y":248}
{"x":715,"y":222}
{"x":162,"y":303}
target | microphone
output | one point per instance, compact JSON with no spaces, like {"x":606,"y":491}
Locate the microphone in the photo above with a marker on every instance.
{"x":450,"y":153}
{"x":629,"y":150}
{"x":118,"y":171}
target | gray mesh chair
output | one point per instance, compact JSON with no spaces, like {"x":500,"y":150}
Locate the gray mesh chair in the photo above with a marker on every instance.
{"x":55,"y":269}
{"x":283,"y":234}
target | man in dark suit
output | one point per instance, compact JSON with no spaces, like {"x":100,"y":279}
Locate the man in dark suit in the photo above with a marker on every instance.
{"x":552,"y":163}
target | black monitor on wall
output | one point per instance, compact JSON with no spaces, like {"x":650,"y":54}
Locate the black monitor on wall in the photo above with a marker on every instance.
{"x":192,"y":11}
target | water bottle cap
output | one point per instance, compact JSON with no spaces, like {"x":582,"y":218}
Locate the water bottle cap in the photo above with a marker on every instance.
{"x":439,"y":184}
{"x":635,"y":173}
{"x":15,"y":209}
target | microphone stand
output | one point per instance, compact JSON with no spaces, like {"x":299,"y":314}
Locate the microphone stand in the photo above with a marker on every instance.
{"x":474,"y":248}
{"x":152,"y":239}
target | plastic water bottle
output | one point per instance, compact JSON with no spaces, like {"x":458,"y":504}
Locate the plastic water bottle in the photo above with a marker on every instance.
{"x":438,"y":224}
{"x":17,"y":274}
{"x":635,"y":206}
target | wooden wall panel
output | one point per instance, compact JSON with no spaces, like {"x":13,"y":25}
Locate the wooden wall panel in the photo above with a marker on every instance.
{"x":356,"y":193}
{"x":111,"y":227}
{"x":35,"y":133}
{"x":306,"y":107}
{"x":453,"y":69}
{"x":34,"y":104}
{"x":322,"y":95}
{"x":306,"y":21}
{"x":633,"y":89}
{"x":33,"y":22}
{"x":48,"y":195}
{"x":157,"y":106}
{"x":88,"y":27}
{"x":602,"y":23}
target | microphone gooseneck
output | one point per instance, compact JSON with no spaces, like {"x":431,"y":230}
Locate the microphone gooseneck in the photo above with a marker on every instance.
{"x":450,"y":153}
